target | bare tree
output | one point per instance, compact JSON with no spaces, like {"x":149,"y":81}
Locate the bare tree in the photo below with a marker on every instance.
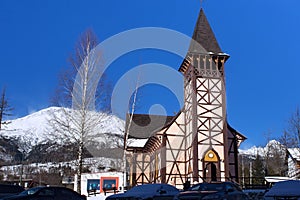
{"x":77,"y":124}
{"x":131,"y":109}
{"x":287,"y":141}
{"x":293,"y":130}
{"x":5,"y":108}
{"x":268,"y":153}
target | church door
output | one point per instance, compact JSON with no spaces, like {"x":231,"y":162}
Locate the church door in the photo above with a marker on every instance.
{"x":211,"y":166}
{"x":211,"y":172}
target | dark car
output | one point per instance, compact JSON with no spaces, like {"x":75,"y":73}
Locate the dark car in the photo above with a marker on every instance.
{"x":255,"y":194}
{"x":216,"y":190}
{"x":154,"y":191}
{"x":47,"y":193}
{"x":284,"y":190}
{"x":8,"y":190}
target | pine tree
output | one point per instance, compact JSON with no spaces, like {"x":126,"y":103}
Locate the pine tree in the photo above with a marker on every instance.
{"x":258,"y":170}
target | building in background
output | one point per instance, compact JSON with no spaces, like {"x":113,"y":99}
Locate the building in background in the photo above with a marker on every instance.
{"x":294,"y":163}
{"x":98,"y":182}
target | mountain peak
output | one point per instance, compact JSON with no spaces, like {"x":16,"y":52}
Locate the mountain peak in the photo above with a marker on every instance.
{"x":34,"y":128}
{"x":253,"y":151}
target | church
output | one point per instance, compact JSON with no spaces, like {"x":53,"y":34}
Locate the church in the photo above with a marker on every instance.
{"x":197,"y":144}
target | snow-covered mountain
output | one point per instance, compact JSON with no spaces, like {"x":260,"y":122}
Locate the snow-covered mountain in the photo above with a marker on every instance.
{"x":33,"y":140}
{"x":253,"y":151}
{"x":35,"y":128}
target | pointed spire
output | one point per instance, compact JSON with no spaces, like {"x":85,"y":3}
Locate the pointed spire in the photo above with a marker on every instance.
{"x":204,"y":35}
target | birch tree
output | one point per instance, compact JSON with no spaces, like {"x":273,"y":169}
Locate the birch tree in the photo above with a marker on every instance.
{"x":76,"y":121}
{"x":132,"y":106}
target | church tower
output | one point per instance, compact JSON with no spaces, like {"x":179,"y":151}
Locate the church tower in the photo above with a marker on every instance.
{"x":205,"y":106}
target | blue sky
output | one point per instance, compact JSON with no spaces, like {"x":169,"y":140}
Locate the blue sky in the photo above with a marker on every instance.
{"x":262,"y":37}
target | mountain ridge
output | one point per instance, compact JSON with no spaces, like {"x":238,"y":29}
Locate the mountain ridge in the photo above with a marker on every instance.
{"x":260,"y":150}
{"x":31,"y":130}
{"x":32,"y":136}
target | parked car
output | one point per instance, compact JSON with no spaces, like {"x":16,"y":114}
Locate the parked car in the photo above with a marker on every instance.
{"x":154,"y":191}
{"x":215,"y":190}
{"x":8,"y":190}
{"x":255,"y":194}
{"x":284,"y":190}
{"x":47,"y":193}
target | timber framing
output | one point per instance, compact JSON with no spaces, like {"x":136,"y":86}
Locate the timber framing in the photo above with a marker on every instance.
{"x":197,"y":144}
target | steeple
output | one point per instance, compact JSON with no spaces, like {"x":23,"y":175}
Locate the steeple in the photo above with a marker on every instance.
{"x":203,"y":42}
{"x":204,"y":35}
{"x":205,"y":106}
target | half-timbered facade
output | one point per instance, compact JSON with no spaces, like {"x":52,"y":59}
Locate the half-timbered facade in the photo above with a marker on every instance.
{"x":197,"y":144}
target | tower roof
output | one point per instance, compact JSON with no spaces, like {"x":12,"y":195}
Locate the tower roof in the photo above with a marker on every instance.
{"x":204,"y":35}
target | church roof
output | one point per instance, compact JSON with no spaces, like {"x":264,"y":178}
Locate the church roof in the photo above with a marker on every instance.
{"x":145,"y":125}
{"x":239,"y":136}
{"x":295,"y":153}
{"x":204,"y":35}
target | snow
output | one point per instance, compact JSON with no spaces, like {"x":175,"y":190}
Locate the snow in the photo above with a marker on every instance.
{"x":275,"y":179}
{"x":285,"y":189}
{"x":295,"y":153}
{"x":93,"y":162}
{"x":137,"y":142}
{"x":253,"y":151}
{"x":34,"y":129}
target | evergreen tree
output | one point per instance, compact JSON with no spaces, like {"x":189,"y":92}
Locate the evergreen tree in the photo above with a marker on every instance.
{"x":258,"y":170}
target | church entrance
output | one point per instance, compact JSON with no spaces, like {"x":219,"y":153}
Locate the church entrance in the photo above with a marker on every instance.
{"x":211,"y":166}
{"x":210,"y":172}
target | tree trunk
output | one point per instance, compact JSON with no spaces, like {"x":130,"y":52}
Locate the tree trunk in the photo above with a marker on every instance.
{"x":79,"y":169}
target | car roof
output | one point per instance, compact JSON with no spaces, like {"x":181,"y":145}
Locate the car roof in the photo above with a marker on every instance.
{"x":10,"y":188}
{"x":50,"y":186}
{"x":217,"y":182}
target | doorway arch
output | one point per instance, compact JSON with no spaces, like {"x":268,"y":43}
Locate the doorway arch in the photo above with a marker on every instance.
{"x":211,"y":166}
